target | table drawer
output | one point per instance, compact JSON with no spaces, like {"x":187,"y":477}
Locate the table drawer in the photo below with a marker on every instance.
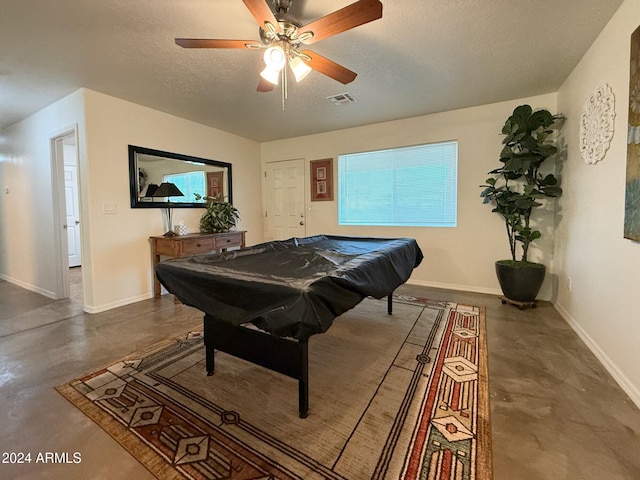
{"x":193,"y":246}
{"x":228,"y":241}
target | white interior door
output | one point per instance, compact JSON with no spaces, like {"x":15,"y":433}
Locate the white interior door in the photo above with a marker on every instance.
{"x":285,"y":200}
{"x":73,"y":214}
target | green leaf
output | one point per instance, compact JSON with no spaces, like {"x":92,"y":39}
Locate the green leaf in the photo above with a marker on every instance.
{"x":547,"y":150}
{"x":523,"y":111}
{"x":529,"y":143}
{"x":514,"y":164}
{"x":552,"y":191}
{"x":508,"y":139}
{"x":541,"y":118}
{"x":548,"y":180}
{"x":506,"y":152}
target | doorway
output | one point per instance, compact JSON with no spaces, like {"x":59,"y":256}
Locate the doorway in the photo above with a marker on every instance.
{"x":285,"y":200}
{"x":66,"y":188}
{"x":72,"y":203}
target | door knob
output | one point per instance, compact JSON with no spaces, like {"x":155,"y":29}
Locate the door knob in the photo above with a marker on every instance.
{"x":77,"y":222}
{"x":301,"y":222}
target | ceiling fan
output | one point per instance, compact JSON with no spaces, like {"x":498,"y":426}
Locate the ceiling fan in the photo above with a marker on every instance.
{"x":282,"y":37}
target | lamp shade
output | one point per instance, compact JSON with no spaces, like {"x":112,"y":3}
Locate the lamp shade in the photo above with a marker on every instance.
{"x":270,"y":75}
{"x":167,"y":189}
{"x":275,"y":58}
{"x":151,"y":188}
{"x":299,"y":68}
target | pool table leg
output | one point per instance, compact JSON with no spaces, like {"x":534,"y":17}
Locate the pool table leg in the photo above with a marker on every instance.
{"x":210,"y":360}
{"x":303,"y":379}
{"x":209,"y":350}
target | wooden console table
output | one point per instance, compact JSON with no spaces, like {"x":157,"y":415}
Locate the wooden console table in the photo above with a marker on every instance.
{"x":192,"y":244}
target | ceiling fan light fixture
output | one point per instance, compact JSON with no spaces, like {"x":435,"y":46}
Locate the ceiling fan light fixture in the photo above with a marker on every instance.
{"x":270,"y":75}
{"x":281,"y":35}
{"x":299,"y":68}
{"x":275,"y":58}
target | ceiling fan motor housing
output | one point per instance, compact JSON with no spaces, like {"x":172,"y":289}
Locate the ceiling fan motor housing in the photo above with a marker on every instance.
{"x":288,"y":33}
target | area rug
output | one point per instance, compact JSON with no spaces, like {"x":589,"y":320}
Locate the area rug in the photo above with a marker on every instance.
{"x":391,"y":396}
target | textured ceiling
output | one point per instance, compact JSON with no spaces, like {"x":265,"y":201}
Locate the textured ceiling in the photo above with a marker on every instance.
{"x":421,"y":57}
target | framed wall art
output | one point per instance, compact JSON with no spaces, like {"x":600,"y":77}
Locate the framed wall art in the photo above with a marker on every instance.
{"x":322,"y":180}
{"x":632,"y":189}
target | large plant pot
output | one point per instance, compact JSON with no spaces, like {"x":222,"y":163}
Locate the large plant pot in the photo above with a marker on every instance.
{"x":520,"y":282}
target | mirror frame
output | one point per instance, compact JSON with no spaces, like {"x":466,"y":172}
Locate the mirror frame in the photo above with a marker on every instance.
{"x":133,"y":177}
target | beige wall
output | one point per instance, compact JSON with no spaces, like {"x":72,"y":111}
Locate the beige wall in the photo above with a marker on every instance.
{"x":457,"y":258}
{"x":604,"y":268}
{"x":119,"y":248}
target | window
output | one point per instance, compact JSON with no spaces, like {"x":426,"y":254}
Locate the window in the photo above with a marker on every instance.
{"x":188,"y":183}
{"x":411,"y":186}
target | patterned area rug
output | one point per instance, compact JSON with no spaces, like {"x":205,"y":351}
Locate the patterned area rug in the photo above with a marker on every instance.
{"x":391,"y":396}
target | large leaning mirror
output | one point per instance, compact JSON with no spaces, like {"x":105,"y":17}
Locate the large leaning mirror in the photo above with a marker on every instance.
{"x":149,"y":169}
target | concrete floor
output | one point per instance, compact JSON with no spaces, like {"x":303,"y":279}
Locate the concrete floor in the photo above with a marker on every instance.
{"x":555,"y":412}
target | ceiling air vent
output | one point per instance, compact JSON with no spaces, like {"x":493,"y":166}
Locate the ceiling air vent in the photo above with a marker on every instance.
{"x":342,"y":99}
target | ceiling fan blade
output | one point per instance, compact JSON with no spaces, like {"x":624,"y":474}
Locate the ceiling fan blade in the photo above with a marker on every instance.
{"x":216,"y":43}
{"x":264,"y":85}
{"x":328,"y":67}
{"x":262,"y":13}
{"x":351,"y":16}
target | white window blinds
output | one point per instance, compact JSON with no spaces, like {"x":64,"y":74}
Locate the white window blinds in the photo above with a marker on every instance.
{"x":189,"y":184}
{"x":410,"y":186}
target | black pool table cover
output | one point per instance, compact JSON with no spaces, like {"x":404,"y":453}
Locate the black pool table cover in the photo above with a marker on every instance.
{"x":292,"y":288}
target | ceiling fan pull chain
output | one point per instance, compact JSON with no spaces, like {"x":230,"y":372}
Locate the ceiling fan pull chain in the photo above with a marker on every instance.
{"x":284,"y":86}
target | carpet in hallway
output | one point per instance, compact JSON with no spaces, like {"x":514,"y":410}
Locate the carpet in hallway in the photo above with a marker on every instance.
{"x":391,"y":396}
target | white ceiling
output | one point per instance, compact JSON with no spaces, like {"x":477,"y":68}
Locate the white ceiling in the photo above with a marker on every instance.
{"x":423,"y":56}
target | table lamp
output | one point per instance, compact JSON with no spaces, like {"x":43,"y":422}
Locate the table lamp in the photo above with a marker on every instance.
{"x":167,"y":189}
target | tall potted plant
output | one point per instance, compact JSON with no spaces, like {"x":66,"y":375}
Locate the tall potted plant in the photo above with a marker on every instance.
{"x":515,"y":190}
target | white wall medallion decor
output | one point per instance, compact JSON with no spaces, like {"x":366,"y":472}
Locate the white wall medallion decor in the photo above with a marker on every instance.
{"x":597,"y":124}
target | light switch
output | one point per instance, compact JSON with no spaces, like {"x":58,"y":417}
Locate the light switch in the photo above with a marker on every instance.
{"x":6,"y":190}
{"x":109,"y":208}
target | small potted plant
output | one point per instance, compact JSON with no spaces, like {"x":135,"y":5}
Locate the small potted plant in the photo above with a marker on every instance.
{"x":515,"y":190}
{"x":219,"y":216}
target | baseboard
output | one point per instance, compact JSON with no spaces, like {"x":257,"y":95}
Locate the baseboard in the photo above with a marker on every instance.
{"x":451,"y":286}
{"x":28,"y":286}
{"x":621,"y":379}
{"x":120,"y":303}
